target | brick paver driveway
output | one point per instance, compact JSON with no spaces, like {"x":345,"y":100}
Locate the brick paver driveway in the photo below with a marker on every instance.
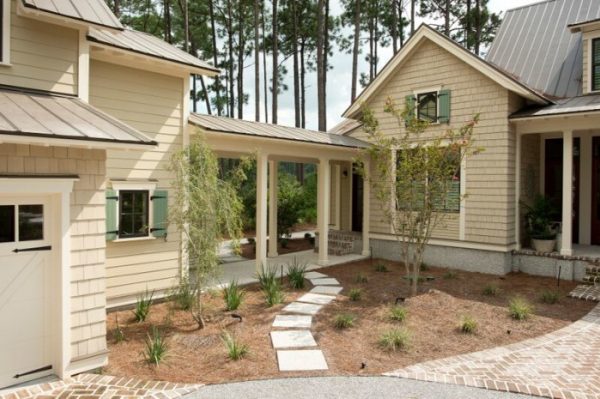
{"x":562,"y":364}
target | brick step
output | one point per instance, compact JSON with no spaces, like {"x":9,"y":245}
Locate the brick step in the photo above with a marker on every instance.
{"x":592,"y":270}
{"x":591,"y":280}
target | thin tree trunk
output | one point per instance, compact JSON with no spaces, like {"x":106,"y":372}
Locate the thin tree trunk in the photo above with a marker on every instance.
{"x":447,"y":18}
{"x":117,"y":8}
{"x":468,"y":25}
{"x":231,"y":66}
{"x":256,"y":64}
{"x":371,"y":52}
{"x":206,"y":99}
{"x":302,"y":85}
{"x":376,"y":39}
{"x":296,"y":66}
{"x":394,"y":30}
{"x":478,"y":26}
{"x":401,"y":22}
{"x":325,"y":63}
{"x":355,"y":49}
{"x":215,"y":55}
{"x":167,"y":20}
{"x":320,"y":65}
{"x":275,"y":93}
{"x":412,"y":16}
{"x":265,"y":84}
{"x":240,"y":75}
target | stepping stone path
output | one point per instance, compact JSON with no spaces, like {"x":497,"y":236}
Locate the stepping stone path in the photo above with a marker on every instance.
{"x":297,"y":322}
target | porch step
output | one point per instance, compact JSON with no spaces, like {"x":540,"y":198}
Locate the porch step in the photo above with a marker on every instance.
{"x":591,"y":280}
{"x":592,"y":270}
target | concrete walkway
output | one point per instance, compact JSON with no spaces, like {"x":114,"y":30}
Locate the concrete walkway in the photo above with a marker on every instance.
{"x":345,"y":388}
{"x":561,"y":364}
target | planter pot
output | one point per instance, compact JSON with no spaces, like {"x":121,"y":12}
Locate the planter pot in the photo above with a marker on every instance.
{"x":543,"y":245}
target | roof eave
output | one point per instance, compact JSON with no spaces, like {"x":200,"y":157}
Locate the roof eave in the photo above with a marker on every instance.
{"x":31,"y":10}
{"x":68,"y":141}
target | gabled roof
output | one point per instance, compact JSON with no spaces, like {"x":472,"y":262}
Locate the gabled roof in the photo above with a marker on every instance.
{"x":534,"y":44}
{"x":92,"y":11}
{"x":427,"y":33}
{"x":224,"y":124}
{"x":576,"y":105}
{"x":40,"y":116}
{"x":345,"y":126}
{"x":146,"y":44}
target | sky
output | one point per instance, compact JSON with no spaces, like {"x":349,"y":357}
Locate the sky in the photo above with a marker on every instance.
{"x":339,"y":80}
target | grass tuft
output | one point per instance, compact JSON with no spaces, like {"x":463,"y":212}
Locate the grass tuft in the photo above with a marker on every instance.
{"x":156,"y":347}
{"x":343,"y":320}
{"x":142,"y":306}
{"x":295,"y":274}
{"x":361,"y":278}
{"x":397,"y":313}
{"x":381,"y":267}
{"x":184,"y":294}
{"x":233,"y":295}
{"x":519,"y":308}
{"x":550,"y":297}
{"x":273,"y":294}
{"x":235,"y":349}
{"x":267,"y":276}
{"x":450,"y":275}
{"x":468,"y":324}
{"x":355,"y":294}
{"x":394,"y":339}
{"x":491,"y":290}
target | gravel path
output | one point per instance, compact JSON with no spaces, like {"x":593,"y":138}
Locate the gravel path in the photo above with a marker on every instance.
{"x":346,"y":388}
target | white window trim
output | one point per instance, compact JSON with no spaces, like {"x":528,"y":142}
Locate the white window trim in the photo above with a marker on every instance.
{"x":436,"y":90}
{"x":589,"y":62}
{"x":5,"y":26}
{"x":136,"y":186}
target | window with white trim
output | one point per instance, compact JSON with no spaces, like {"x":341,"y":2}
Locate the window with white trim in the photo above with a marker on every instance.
{"x":596,"y":64}
{"x":427,"y":106}
{"x":4,"y":31}
{"x":134,"y":213}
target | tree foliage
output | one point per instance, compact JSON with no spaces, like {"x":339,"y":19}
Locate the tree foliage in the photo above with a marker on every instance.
{"x":412,"y":176}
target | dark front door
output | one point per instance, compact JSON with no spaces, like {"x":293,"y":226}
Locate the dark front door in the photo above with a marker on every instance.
{"x":357,"y":202}
{"x":596,"y":191}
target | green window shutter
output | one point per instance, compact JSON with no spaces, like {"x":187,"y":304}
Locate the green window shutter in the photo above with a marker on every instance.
{"x":595,"y":65}
{"x":410,"y":106}
{"x":112,"y":206}
{"x":160,"y":209}
{"x":444,"y":111}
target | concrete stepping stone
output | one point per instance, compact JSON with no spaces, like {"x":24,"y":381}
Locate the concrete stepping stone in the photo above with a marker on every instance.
{"x":292,"y":339}
{"x":292,"y":321}
{"x":302,"y":308}
{"x":301,"y":360}
{"x":316,"y":298}
{"x":326,"y":290}
{"x":324,"y":281}
{"x":311,"y":275}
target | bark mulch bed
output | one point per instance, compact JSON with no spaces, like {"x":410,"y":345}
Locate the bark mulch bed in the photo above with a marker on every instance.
{"x":293,"y":245}
{"x":433,"y":318}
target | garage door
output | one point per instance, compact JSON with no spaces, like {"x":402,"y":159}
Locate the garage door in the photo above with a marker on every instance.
{"x":25,"y":289}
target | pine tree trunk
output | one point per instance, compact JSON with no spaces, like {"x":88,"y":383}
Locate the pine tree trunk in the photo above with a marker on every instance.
{"x":325,"y":64}
{"x":167,"y":20}
{"x":215,"y":55}
{"x":371,"y":52}
{"x":376,"y":42}
{"x":296,"y":66}
{"x":320,"y":64}
{"x":468,"y":26}
{"x":413,"y":5}
{"x":265,"y":84}
{"x":447,"y":18}
{"x":240,"y":74}
{"x":394,"y":30}
{"x":275,"y":93}
{"x":302,"y":85}
{"x":206,"y":98}
{"x":355,"y":49}
{"x":231,"y":66}
{"x":256,"y":64}
{"x":401,"y":25}
{"x":477,"y":26}
{"x":117,"y":8}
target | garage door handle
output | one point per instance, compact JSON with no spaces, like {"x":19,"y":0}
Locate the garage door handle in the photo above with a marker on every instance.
{"x":46,"y":248}
{"x":45,"y":368}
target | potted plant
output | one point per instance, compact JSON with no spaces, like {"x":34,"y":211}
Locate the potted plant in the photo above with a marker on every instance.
{"x":540,"y":219}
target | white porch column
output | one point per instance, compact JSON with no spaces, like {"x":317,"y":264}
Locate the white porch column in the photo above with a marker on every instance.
{"x":261,"y":210}
{"x":585,"y":189}
{"x":338,"y":196}
{"x":366,"y":251}
{"x":518,"y":191}
{"x":567,"y":200}
{"x":273,"y":208}
{"x":323,"y":208}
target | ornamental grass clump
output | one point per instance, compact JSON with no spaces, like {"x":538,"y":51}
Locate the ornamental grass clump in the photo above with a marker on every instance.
{"x":295,"y":274}
{"x":156,"y":347}
{"x":468,"y":324}
{"x":397,"y":314}
{"x":355,"y":294}
{"x":361,"y":278}
{"x":235,"y":349}
{"x":184,"y":294}
{"x":267,"y":276}
{"x":550,"y":297}
{"x":273,"y":294}
{"x":343,"y":321}
{"x":394,"y":340}
{"x":519,"y":309}
{"x":233,"y":296}
{"x":491,"y":290}
{"x":142,"y":306}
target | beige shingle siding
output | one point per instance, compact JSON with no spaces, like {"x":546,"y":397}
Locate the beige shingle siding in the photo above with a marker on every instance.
{"x":88,"y":329}
{"x":490,"y":176}
{"x":43,"y":56}
{"x":151,"y":103}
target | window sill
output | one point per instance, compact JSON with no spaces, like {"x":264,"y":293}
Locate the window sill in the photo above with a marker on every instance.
{"x":5,"y":64}
{"x":134,"y":239}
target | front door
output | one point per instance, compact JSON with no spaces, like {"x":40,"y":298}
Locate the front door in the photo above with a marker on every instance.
{"x":596,"y":191}
{"x":357,"y":202}
{"x":25,"y":300}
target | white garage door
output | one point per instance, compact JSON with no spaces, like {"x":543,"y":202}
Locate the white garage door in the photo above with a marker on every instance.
{"x":25,"y":289}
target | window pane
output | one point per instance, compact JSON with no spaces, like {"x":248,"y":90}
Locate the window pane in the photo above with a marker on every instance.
{"x":126,"y":225}
{"x":31,"y":222}
{"x":133,"y":219}
{"x":7,"y":223}
{"x":428,"y":107}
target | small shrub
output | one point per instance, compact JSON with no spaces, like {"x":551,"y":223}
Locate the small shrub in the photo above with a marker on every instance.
{"x":468,"y":324}
{"x":550,"y":297}
{"x":273,"y":294}
{"x":361,"y":278}
{"x":267,"y":276}
{"x":308,"y":236}
{"x":118,"y":333}
{"x":394,"y":339}
{"x":450,"y":275}
{"x":251,"y":240}
{"x":343,"y":320}
{"x":235,"y":349}
{"x":184,"y":294}
{"x":233,"y":295}
{"x":295,"y":274}
{"x":355,"y":294}
{"x":156,"y":347}
{"x":397,"y":313}
{"x":142,"y":306}
{"x":424,"y":267}
{"x":284,"y":243}
{"x":491,"y":290}
{"x":519,"y":309}
{"x":381,"y":267}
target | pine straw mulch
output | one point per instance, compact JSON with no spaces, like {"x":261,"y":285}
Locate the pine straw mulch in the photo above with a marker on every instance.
{"x":433,"y":318}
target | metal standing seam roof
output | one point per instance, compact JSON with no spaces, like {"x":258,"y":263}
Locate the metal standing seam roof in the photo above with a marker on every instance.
{"x":574,"y":105}
{"x":345,"y":126}
{"x":237,"y":126}
{"x":93,"y":11}
{"x":37,"y":114}
{"x":147,"y":44}
{"x":535,"y":45}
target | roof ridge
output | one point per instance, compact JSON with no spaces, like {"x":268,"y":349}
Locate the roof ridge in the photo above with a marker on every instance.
{"x":257,"y":122}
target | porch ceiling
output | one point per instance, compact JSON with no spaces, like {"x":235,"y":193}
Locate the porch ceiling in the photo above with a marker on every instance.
{"x":571,"y":106}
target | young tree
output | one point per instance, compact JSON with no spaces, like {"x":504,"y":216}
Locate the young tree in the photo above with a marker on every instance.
{"x":414,"y":177}
{"x":206,"y":208}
